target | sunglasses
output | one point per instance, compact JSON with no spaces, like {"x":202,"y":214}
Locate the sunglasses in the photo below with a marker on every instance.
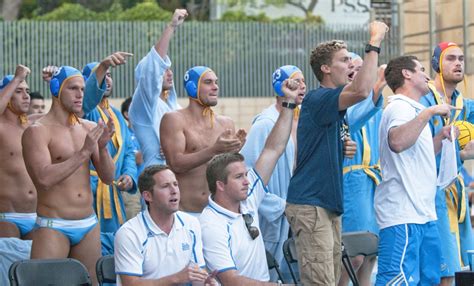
{"x":253,"y":230}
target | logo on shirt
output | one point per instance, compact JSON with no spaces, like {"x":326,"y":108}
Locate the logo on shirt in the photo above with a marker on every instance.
{"x":184,"y":246}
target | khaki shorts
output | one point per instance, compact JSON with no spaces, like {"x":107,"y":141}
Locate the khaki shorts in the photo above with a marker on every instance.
{"x":317,"y":234}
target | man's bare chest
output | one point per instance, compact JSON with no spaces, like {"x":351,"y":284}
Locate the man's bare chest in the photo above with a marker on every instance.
{"x":10,"y":140}
{"x":201,"y":137}
{"x":64,"y":143}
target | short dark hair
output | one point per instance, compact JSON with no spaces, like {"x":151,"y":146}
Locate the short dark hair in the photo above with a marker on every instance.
{"x":36,"y":95}
{"x":125,"y":105}
{"x":146,"y":181}
{"x":322,"y":54}
{"x":393,"y":72}
{"x":217,"y":169}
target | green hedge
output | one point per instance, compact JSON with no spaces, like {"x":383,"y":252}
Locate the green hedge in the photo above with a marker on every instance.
{"x":147,"y":11}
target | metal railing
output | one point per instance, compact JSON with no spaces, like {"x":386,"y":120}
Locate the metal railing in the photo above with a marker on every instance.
{"x":243,"y":55}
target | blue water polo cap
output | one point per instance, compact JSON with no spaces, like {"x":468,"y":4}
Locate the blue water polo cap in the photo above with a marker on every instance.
{"x":192,"y":78}
{"x":88,"y":69}
{"x":280,"y":75}
{"x":60,"y":77}
{"x":5,"y":81}
{"x":354,"y":56}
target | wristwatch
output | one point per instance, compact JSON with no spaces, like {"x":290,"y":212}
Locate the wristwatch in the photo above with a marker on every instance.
{"x":288,"y":105}
{"x":369,"y":48}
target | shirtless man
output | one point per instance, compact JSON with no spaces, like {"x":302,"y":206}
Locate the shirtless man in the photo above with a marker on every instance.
{"x":57,"y":149}
{"x":193,"y":135}
{"x":18,"y":194}
{"x":188,"y":147}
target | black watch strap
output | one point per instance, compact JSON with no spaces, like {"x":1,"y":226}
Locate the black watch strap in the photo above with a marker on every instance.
{"x":369,"y":48}
{"x":288,"y":105}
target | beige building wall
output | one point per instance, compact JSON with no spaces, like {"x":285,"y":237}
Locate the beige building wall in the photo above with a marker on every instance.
{"x":241,"y":110}
{"x":448,"y":20}
{"x":448,"y":26}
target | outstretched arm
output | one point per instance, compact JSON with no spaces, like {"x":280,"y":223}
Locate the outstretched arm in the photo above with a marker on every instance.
{"x":162,"y":44}
{"x":95,"y":84}
{"x":404,"y":136}
{"x":7,"y":92}
{"x":279,"y":136}
{"x":359,"y":89}
{"x":113,"y":60}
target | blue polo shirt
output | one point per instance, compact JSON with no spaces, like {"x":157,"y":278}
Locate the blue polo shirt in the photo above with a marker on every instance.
{"x":317,"y":179}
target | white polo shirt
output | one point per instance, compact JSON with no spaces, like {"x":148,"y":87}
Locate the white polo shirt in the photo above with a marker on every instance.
{"x":408,"y":188}
{"x":226,"y":241}
{"x":143,"y":249}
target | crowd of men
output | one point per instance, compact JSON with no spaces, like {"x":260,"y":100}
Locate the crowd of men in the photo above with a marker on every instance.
{"x":215,"y":199}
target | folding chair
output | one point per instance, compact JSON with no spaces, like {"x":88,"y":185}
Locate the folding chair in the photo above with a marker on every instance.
{"x":357,"y":243}
{"x":289,"y":252}
{"x":273,"y":264}
{"x":41,"y":272}
{"x":105,"y":269}
{"x":11,"y":273}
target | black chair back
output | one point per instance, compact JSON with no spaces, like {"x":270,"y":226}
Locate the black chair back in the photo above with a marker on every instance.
{"x":289,"y":252}
{"x":105,"y":269}
{"x":273,"y":264}
{"x":357,"y":243}
{"x":41,"y":272}
{"x":360,"y":243}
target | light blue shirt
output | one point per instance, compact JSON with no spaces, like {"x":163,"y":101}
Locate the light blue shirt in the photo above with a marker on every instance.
{"x":147,"y":108}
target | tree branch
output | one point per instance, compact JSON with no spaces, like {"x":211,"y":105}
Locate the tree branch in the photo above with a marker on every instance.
{"x":299,"y":5}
